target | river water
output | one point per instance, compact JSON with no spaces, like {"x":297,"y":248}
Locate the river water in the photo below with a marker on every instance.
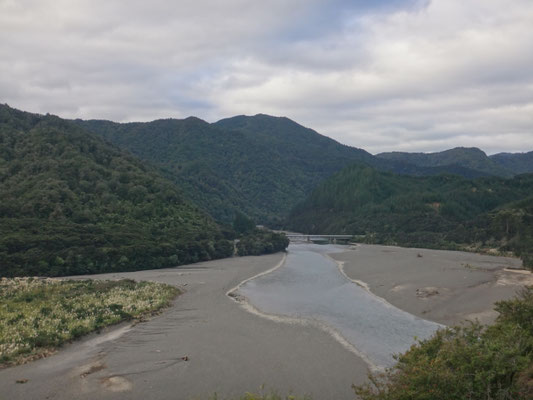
{"x":310,"y":286}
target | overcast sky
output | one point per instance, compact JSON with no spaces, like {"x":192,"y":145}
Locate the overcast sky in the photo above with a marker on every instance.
{"x":383,"y":75}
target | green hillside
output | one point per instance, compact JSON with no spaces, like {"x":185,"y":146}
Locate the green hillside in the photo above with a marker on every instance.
{"x":258,"y":165}
{"x":470,"y":158}
{"x":438,"y":211}
{"x":519,"y":163}
{"x":72,"y":204}
{"x":260,"y":170}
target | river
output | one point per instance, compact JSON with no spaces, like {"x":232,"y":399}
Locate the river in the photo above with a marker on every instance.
{"x":310,"y":286}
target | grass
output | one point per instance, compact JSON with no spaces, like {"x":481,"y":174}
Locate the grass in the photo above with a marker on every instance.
{"x":38,"y":315}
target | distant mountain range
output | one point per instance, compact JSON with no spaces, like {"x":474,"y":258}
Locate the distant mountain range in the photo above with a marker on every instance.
{"x":263,"y":165}
{"x":92,"y":196}
{"x":502,"y":164}
{"x":74,"y":204}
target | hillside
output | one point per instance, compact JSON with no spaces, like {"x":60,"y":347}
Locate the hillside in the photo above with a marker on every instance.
{"x":258,"y":165}
{"x":519,"y":163}
{"x":226,"y":170}
{"x":470,"y":158}
{"x":72,"y":204}
{"x":437,"y":211}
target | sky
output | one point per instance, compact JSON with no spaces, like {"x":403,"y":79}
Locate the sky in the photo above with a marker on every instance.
{"x":382,"y":75}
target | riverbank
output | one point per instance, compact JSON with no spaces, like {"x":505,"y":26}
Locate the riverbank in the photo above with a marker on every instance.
{"x":42,"y":314}
{"x":447,"y":287}
{"x":204,"y":343}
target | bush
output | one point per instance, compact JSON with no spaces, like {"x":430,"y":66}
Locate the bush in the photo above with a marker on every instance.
{"x":471,"y":362}
{"x":262,"y":242}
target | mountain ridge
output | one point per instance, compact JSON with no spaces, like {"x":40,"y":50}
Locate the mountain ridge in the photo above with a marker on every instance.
{"x":260,"y":165}
{"x":468,"y":157}
{"x":74,"y":204}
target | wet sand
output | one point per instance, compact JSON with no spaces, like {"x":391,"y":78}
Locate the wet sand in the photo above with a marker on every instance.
{"x":447,"y":287}
{"x":206,"y":342}
{"x":228,"y":350}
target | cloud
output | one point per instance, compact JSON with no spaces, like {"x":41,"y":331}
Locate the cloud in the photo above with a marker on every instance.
{"x":385,"y":75}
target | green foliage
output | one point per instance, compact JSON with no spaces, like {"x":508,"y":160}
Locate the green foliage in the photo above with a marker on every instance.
{"x":262,"y":242}
{"x":242,"y":224}
{"x":437,"y":212}
{"x":72,"y":204}
{"x":261,"y":165}
{"x":519,"y":163}
{"x":466,"y":362}
{"x":41,"y":314}
{"x":471,"y":158}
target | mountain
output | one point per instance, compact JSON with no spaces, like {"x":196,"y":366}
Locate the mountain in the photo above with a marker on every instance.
{"x":471,"y":158}
{"x":73,"y":204}
{"x":519,"y":163}
{"x":437,"y":211}
{"x":260,"y":165}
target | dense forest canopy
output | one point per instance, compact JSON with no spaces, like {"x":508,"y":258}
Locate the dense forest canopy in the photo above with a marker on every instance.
{"x":227,"y":170}
{"x":261,"y":165}
{"x":437,"y":211}
{"x":472,"y":158}
{"x":72,"y":204}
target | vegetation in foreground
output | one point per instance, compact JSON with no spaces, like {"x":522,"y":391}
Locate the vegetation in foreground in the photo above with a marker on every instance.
{"x":461,"y":363}
{"x":40,"y":314}
{"x":471,"y":362}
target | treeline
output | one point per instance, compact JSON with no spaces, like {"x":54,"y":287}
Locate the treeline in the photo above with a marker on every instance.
{"x":253,"y":241}
{"x":262,"y":242}
{"x":436,"y":212}
{"x":72,"y":204}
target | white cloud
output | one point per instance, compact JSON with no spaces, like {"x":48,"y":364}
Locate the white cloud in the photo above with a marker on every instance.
{"x":418,"y":76}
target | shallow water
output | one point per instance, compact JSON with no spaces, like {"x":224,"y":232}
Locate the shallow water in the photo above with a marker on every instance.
{"x":310,"y":286}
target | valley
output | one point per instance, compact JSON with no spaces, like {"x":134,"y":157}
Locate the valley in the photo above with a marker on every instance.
{"x":191,"y":204}
{"x":230,"y":350}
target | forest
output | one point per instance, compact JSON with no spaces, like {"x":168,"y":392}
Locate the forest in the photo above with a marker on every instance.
{"x":72,"y":204}
{"x":260,"y":165}
{"x":93,"y":196}
{"x":445,"y":211}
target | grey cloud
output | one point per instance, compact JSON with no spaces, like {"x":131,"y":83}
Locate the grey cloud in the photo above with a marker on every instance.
{"x":404,"y":75}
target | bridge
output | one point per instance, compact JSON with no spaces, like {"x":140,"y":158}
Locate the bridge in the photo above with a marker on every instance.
{"x":300,"y":237}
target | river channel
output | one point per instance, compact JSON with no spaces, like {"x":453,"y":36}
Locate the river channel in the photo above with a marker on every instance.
{"x":310,"y":286}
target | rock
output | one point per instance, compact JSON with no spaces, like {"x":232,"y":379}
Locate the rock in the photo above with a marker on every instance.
{"x":426,"y":292}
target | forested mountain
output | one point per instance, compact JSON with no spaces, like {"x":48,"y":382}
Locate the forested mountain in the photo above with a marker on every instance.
{"x":519,"y":163}
{"x":73,"y":204}
{"x":470,"y":158}
{"x":258,"y":165}
{"x":226,"y":170}
{"x":437,"y":211}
